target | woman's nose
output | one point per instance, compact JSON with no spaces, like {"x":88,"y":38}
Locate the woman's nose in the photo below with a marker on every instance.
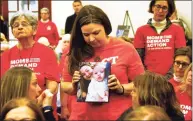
{"x":91,"y":38}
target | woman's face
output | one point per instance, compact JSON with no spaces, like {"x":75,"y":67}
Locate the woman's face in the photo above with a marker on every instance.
{"x":86,"y":72}
{"x":94,"y":35}
{"x":99,"y":73}
{"x":134,"y":95}
{"x":189,"y":78}
{"x":21,"y":28}
{"x":34,"y":88}
{"x":181,"y":62}
{"x":23,"y":113}
{"x":160,"y":10}
{"x":44,"y":15}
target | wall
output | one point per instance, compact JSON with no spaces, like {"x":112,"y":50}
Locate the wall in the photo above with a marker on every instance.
{"x":116,"y":12}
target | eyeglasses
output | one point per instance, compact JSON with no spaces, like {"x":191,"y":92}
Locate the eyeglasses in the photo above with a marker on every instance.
{"x":184,"y":64}
{"x":164,"y":8}
{"x":24,"y":24}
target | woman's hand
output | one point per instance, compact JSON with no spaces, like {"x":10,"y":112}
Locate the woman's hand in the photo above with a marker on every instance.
{"x":114,"y":84}
{"x":75,"y":79}
{"x":65,"y":113}
{"x":45,"y":99}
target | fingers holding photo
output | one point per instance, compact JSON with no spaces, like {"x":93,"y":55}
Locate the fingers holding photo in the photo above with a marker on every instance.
{"x":76,"y":77}
{"x":113,"y":82}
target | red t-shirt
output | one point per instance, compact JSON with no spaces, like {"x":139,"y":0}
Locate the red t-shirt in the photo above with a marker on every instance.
{"x":125,"y":64}
{"x":159,"y":48}
{"x":41,"y":59}
{"x":48,"y":30}
{"x":185,"y":104}
{"x":174,"y":83}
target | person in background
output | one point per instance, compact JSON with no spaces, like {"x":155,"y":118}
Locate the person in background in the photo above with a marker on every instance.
{"x":44,"y":41}
{"x":179,"y":21}
{"x":184,"y":94}
{"x":182,"y":59}
{"x":148,"y":112}
{"x":4,"y":27}
{"x":41,"y":59}
{"x":159,"y":38}
{"x":21,"y":109}
{"x":154,"y":89}
{"x":21,"y":82}
{"x":77,"y":5}
{"x":47,"y":29}
{"x":62,"y":44}
{"x":62,"y":110}
{"x":90,"y":42}
{"x":4,"y":43}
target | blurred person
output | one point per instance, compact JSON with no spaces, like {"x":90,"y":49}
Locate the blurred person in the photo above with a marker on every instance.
{"x":90,"y":43}
{"x":159,"y":38}
{"x":62,"y":110}
{"x":4,"y":43}
{"x":4,"y":27}
{"x":179,"y":21}
{"x":21,"y":109}
{"x":44,"y":41}
{"x":2,"y":37}
{"x":48,"y":29}
{"x":182,"y":59}
{"x":148,"y":112}
{"x":20,"y":82}
{"x":28,"y":53}
{"x":154,"y":89}
{"x":77,"y":5}
{"x":62,"y":44}
{"x":184,"y":94}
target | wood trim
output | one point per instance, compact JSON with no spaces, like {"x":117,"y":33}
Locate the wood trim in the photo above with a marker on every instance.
{"x":45,"y":3}
{"x":4,"y":9}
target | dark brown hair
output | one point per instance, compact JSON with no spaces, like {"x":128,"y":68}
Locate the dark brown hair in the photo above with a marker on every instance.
{"x":79,"y":49}
{"x":78,"y":1}
{"x":185,"y":51}
{"x":148,"y":112}
{"x":171,"y":7}
{"x":154,"y":89}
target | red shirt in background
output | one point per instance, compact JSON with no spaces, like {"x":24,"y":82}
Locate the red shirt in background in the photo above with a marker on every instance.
{"x":159,"y":48}
{"x":48,"y":30}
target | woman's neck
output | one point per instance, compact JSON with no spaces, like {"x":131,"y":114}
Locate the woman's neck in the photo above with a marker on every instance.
{"x":25,"y":43}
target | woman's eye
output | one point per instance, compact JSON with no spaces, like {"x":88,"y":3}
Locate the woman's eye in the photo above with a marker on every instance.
{"x":96,"y":33}
{"x":86,"y":35}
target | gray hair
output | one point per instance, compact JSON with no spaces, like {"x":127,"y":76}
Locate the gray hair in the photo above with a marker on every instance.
{"x":45,"y":9}
{"x":32,"y":19}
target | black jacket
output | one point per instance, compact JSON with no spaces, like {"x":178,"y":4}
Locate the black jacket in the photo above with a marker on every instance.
{"x":69,"y":23}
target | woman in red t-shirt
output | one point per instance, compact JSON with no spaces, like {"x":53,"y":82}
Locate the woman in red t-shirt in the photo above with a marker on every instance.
{"x":184,"y":93}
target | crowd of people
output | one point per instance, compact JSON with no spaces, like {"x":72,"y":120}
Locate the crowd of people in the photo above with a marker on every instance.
{"x":150,"y":77}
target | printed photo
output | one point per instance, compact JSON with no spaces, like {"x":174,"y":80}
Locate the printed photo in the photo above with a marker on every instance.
{"x":93,"y":85}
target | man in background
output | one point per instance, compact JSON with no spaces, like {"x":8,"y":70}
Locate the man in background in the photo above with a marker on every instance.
{"x":77,"y":5}
{"x":47,"y":29}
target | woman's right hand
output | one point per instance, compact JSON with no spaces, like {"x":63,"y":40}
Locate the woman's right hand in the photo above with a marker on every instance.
{"x":45,"y":99}
{"x":75,"y":79}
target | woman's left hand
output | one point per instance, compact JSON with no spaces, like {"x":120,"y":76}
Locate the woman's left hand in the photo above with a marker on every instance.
{"x":114,"y":84}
